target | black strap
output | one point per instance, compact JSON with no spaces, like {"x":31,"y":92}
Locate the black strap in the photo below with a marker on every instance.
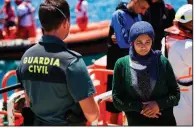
{"x":10,"y":88}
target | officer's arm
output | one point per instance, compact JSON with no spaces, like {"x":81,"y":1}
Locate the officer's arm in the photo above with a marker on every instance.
{"x":82,"y":89}
{"x":90,"y":108}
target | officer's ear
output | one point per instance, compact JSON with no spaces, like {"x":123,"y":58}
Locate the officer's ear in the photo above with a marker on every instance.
{"x":66,"y":24}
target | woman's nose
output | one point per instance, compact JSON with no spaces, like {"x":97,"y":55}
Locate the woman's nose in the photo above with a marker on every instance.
{"x":143,"y":47}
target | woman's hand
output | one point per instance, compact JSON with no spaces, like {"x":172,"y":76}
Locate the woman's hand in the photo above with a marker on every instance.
{"x":151,"y":109}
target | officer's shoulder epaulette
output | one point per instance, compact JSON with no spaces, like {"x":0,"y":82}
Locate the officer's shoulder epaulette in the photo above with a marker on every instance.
{"x":74,"y":53}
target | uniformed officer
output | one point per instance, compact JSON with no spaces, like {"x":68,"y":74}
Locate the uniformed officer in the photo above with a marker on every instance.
{"x":55,"y":79}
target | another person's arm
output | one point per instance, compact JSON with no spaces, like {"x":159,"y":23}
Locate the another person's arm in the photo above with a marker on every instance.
{"x":120,"y":29}
{"x":82,"y":89}
{"x":111,"y":37}
{"x":121,"y":5}
{"x":123,"y":101}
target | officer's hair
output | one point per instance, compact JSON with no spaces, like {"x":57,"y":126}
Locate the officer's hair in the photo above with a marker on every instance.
{"x":52,"y":13}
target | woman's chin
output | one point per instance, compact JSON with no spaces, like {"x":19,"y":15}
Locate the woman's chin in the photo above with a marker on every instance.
{"x":143,"y":53}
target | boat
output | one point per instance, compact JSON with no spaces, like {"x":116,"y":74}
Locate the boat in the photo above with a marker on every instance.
{"x":90,"y":41}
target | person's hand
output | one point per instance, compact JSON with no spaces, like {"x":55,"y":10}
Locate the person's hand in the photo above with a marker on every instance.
{"x":113,"y":37}
{"x":151,"y":109}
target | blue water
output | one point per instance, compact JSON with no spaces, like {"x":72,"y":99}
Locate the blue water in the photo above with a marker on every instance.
{"x":98,"y":10}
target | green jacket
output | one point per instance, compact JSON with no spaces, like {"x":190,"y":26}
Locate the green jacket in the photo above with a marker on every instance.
{"x":125,"y":98}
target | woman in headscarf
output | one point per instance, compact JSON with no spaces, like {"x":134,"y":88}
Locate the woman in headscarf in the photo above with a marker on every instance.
{"x":144,"y":85}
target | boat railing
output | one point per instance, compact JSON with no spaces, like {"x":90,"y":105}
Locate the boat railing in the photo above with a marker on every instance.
{"x":106,"y":96}
{"x":5,"y":80}
{"x":102,"y":96}
{"x":10,"y":117}
{"x":17,"y":116}
{"x":101,"y":99}
{"x":14,"y":119}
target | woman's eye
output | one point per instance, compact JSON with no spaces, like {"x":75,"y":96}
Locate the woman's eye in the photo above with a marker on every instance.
{"x":148,"y":42}
{"x":138,"y":43}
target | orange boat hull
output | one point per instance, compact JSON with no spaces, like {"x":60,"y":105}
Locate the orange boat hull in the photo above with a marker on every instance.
{"x":90,"y":26}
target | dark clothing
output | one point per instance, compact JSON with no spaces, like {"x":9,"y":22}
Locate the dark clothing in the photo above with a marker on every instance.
{"x":9,"y":24}
{"x":114,"y":50}
{"x":47,"y":72}
{"x":122,"y":20}
{"x":1,"y":34}
{"x":160,"y":16}
{"x":125,"y":97}
{"x":144,"y":84}
{"x":113,"y":53}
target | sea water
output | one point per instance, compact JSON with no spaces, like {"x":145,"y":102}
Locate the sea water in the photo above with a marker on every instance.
{"x":98,"y":10}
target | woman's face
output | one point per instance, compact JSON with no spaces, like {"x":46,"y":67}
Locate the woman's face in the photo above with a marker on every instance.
{"x":143,"y":44}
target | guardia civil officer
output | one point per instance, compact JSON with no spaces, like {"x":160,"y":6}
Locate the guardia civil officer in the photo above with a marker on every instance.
{"x":55,"y":79}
